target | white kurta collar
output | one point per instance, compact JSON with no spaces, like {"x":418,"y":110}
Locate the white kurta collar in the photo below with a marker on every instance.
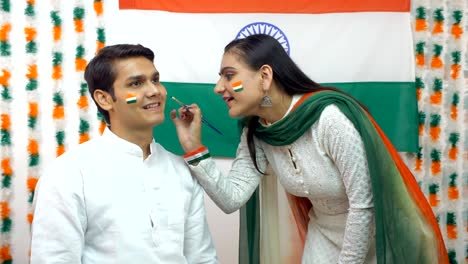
{"x":119,"y":144}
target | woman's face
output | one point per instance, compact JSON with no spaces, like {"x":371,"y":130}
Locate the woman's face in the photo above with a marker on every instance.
{"x":240,"y":87}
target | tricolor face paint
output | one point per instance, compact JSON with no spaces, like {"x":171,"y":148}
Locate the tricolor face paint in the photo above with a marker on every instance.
{"x":131,"y":98}
{"x":237,"y":86}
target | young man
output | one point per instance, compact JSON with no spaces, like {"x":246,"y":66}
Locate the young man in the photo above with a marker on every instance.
{"x":121,"y":198}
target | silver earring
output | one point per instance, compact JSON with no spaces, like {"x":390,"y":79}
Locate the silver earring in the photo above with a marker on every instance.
{"x":266,"y":101}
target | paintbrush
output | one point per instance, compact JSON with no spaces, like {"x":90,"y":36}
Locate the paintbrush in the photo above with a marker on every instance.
{"x":202,"y":118}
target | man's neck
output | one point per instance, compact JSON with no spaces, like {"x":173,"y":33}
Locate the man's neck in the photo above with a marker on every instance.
{"x":142,"y":138}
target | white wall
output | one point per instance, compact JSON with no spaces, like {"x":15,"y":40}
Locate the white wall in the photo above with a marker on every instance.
{"x":224,"y":227}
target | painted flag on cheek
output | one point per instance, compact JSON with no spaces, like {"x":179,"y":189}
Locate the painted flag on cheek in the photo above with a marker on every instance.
{"x":237,"y":86}
{"x":362,"y":47}
{"x":131,"y":98}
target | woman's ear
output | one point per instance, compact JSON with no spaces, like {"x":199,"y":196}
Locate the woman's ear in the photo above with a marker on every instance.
{"x":103,"y":99}
{"x":266,"y":73}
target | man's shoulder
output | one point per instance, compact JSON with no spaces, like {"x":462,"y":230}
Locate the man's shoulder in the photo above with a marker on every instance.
{"x":174,"y":158}
{"x":72,"y":157}
{"x":178,"y":163}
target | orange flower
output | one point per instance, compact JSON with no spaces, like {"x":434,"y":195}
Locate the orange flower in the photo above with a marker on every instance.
{"x":30,"y":218}
{"x":83,"y":102}
{"x":33,"y":147}
{"x":455,"y":71}
{"x":84,"y":138}
{"x":32,"y":71}
{"x":4,"y":30}
{"x":30,"y":33}
{"x":5,"y":119}
{"x":420,"y":59}
{"x":60,"y":150}
{"x":4,"y":79}
{"x":102,"y":126}
{"x":99,"y":45}
{"x":57,"y":33}
{"x":31,"y":183}
{"x":421,"y":24}
{"x":433,"y":201}
{"x":436,"y":62}
{"x":5,"y":209}
{"x":453,"y":193}
{"x":454,"y":112}
{"x":58,"y":112}
{"x":418,"y":165}
{"x":33,"y":109}
{"x":453,"y":153}
{"x":5,"y":253}
{"x":78,"y":25}
{"x":438,"y":28}
{"x":57,"y":72}
{"x":436,"y":98}
{"x":435,"y":167}
{"x":452,"y":231}
{"x":6,"y":167}
{"x":456,"y":31}
{"x":80,"y":64}
{"x":420,"y":129}
{"x":98,"y":8}
{"x":435,"y":133}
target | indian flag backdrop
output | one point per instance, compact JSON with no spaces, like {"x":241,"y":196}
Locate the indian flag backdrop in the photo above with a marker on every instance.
{"x":363,"y":47}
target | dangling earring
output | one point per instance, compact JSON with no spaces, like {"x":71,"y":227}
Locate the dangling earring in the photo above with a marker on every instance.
{"x":266,"y":101}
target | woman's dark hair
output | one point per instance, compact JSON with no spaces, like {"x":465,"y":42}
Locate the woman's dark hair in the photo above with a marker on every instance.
{"x":100,"y":73}
{"x":258,"y":50}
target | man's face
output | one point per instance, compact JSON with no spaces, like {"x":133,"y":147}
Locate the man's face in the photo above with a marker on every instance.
{"x":137,"y":78}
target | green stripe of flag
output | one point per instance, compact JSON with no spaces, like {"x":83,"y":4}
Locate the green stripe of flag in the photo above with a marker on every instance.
{"x":392,"y":104}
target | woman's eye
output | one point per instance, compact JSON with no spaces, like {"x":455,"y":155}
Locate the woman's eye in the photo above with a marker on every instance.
{"x":229,"y":76}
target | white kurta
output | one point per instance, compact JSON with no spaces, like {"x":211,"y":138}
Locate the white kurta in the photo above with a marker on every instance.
{"x":102,"y":203}
{"x":328,"y":165}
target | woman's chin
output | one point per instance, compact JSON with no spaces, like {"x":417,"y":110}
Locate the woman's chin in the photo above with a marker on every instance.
{"x":233,"y":114}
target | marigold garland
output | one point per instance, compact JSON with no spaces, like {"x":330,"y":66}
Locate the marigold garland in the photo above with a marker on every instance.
{"x":58,"y":112}
{"x":6,"y":158}
{"x":79,"y":13}
{"x":100,"y":43}
{"x":33,"y":102}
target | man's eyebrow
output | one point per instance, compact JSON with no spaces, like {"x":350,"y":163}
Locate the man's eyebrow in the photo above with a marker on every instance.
{"x":135,"y":77}
{"x":224,"y":69}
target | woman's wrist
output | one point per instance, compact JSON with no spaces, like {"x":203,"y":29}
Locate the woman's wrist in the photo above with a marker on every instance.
{"x":195,"y":156}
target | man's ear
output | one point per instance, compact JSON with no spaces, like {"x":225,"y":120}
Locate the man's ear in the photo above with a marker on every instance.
{"x":103,"y":99}
{"x":266,"y":72}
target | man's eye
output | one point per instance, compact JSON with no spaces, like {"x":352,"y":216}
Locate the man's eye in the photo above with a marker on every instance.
{"x":155,"y":80}
{"x":135,"y":84}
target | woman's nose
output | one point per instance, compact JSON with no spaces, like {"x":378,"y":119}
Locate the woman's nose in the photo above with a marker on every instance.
{"x":219,"y":88}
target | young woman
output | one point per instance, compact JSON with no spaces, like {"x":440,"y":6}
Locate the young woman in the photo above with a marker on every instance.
{"x":351,"y":197}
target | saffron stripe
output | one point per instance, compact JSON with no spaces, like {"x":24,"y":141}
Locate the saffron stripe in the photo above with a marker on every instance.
{"x":198,"y":155}
{"x":198,"y":150}
{"x":247,"y":6}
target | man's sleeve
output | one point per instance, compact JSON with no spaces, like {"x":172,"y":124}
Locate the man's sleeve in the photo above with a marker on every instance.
{"x":59,"y":216}
{"x":198,"y":245}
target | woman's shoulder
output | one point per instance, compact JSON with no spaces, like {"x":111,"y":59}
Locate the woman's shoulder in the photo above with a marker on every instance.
{"x":331,"y":113}
{"x":333,"y":120}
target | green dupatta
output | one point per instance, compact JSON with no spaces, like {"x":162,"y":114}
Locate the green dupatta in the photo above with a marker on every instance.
{"x":406,"y":229}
